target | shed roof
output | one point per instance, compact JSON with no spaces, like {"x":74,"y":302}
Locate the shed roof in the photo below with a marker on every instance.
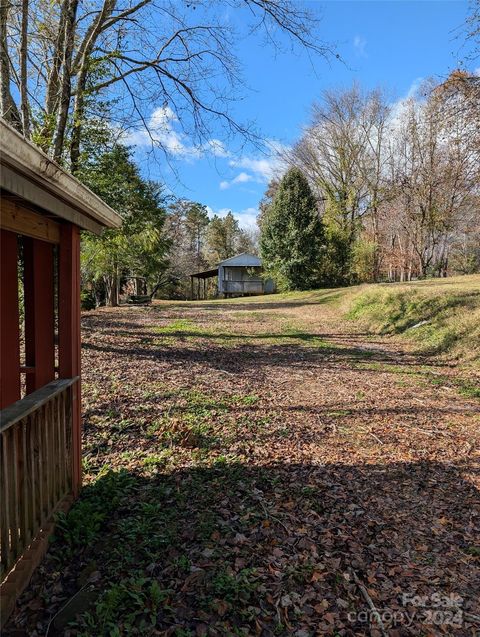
{"x":206,"y":274}
{"x":244,"y":259}
{"x":30,"y":175}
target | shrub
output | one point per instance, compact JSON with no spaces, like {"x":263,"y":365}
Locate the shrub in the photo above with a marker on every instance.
{"x":87,"y":300}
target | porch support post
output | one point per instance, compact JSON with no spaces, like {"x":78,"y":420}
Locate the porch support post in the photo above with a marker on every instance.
{"x":9,"y":321}
{"x":69,"y":334}
{"x":39,"y":313}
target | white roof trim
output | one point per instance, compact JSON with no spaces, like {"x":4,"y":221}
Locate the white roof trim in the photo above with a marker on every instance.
{"x":247,"y":254}
{"x":30,"y":162}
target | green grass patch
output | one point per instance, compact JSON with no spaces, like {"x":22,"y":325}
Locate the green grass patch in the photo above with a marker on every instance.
{"x":439,"y":319}
{"x":234,"y":589}
{"x":199,"y":420}
{"x":85,"y":520}
{"x":127,"y":607}
{"x":465,"y":387}
{"x":292,"y":332}
{"x":156,"y":460}
{"x":469,"y":389}
{"x":339,"y":414}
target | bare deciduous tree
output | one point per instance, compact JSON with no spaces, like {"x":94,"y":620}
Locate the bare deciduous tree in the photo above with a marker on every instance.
{"x":398,"y":184}
{"x":344,"y":152}
{"x":140,"y":55}
{"x":436,"y":178}
{"x":8,"y":108}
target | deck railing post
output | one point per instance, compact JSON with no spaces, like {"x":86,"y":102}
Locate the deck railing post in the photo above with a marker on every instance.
{"x":69,"y":335}
{"x":33,"y":481}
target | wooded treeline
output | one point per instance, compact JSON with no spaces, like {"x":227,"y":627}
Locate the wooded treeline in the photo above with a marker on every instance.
{"x":80,"y":79}
{"x":387,"y":192}
{"x":396,"y":186}
{"x":162,"y":240}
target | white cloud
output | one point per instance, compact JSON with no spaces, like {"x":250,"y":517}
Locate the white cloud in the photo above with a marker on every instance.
{"x":360,"y":44}
{"x":414,"y":87}
{"x":247,"y":218}
{"x":241,"y":178}
{"x":263,"y":169}
{"x":399,"y":108}
{"x":162,"y":130}
{"x":477,"y":72}
{"x":221,"y":212}
{"x":216,"y":148}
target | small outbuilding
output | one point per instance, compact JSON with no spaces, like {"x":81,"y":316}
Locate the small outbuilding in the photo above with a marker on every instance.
{"x":240,"y":275}
{"x":43,"y":209}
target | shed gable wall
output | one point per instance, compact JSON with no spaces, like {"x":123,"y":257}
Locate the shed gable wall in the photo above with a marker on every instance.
{"x":247,"y":260}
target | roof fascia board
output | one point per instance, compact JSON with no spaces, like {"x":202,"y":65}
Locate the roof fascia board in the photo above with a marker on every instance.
{"x":29,"y":191}
{"x":236,"y":256}
{"x":27,"y":160}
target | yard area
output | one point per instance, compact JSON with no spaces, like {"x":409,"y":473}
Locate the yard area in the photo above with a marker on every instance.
{"x":261,"y":467}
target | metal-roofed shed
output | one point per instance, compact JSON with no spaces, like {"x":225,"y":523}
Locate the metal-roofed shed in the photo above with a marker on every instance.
{"x":240,"y":275}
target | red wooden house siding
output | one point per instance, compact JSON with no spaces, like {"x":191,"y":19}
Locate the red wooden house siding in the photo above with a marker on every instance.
{"x":9,"y":321}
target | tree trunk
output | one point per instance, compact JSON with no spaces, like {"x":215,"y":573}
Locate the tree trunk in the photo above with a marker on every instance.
{"x":53,"y":86}
{"x":77,"y":125}
{"x":111,"y":290}
{"x":8,"y":108}
{"x":115,"y":293}
{"x":24,"y":106}
{"x":376,"y":250}
{"x":66,"y":81}
{"x":82,"y":66}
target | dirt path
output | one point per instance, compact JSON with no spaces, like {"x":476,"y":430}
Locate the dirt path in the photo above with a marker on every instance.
{"x":263,"y":469}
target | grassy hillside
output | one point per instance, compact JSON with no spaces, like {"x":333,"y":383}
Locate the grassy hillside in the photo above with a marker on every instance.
{"x":440,"y":316}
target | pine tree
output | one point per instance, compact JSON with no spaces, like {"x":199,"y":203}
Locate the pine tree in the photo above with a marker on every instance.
{"x":139,"y":247}
{"x":222,"y":235}
{"x":292,"y":234}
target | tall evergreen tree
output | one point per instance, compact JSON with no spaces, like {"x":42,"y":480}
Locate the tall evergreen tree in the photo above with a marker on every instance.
{"x":196,"y":223}
{"x":292,"y":234}
{"x":222,"y":237}
{"x":139,"y":247}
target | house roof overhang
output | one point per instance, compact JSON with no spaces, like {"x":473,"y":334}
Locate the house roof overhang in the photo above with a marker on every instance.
{"x":31,"y":176}
{"x":206,"y":274}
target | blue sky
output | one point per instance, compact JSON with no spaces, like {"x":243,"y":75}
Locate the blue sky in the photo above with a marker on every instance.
{"x":390,"y":44}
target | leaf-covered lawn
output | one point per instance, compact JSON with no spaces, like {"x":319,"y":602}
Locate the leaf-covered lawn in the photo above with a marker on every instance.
{"x":258,"y":468}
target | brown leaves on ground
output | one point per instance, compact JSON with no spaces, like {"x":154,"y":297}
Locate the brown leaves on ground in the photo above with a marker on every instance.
{"x":279,"y":474}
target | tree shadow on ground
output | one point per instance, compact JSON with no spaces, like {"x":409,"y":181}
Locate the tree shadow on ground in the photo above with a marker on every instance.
{"x":254,"y":356}
{"x":236,"y":352}
{"x":234,"y":549}
{"x":254,"y":306}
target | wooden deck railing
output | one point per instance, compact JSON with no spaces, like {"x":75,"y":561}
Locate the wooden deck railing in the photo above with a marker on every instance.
{"x":36,"y":465}
{"x":245,"y":286}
